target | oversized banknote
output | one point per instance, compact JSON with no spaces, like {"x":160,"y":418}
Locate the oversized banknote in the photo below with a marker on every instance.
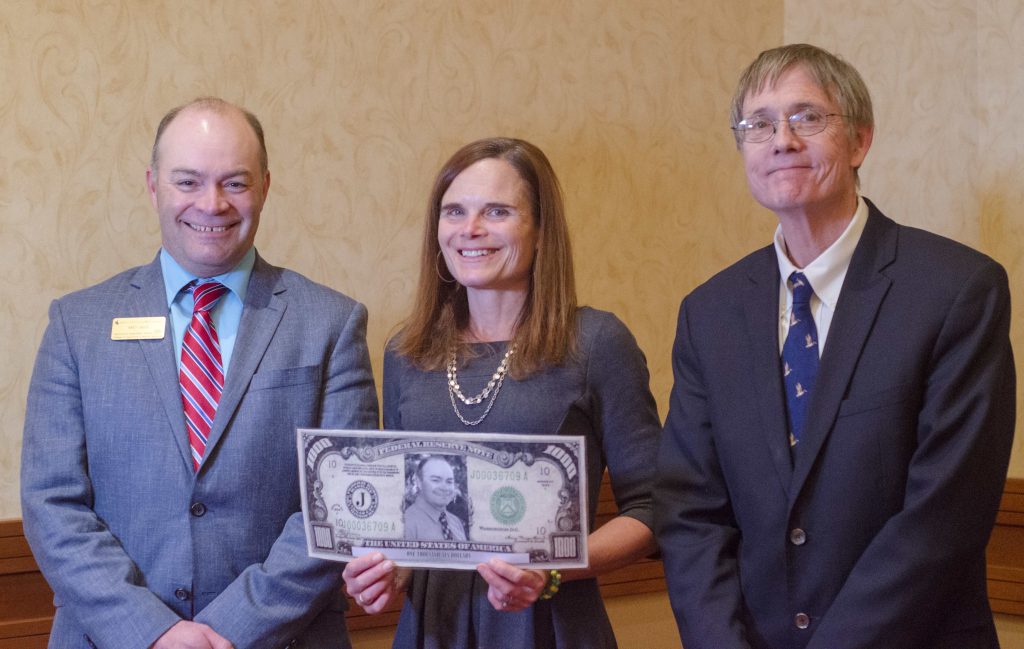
{"x":445,"y":500}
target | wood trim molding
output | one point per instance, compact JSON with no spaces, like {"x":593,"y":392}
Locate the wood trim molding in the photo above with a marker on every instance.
{"x":26,"y":601}
{"x":26,"y":604}
{"x":1005,"y":555}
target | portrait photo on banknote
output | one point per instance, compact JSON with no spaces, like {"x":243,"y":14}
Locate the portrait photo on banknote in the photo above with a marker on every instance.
{"x":435,"y":488}
{"x":444,"y":500}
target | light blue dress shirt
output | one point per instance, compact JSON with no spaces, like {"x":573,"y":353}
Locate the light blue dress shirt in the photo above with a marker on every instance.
{"x":227,"y":314}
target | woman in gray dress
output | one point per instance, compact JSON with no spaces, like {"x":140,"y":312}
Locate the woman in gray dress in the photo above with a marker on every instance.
{"x":496,"y":343}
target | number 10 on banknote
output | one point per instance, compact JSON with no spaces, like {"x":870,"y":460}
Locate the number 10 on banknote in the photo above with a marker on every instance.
{"x":445,"y":500}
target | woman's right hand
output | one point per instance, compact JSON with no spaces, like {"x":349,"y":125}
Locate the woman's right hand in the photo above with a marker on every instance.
{"x":374,"y":581}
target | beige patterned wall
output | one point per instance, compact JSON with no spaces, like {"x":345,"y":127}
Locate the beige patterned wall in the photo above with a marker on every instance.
{"x":947,"y":80}
{"x":362,"y":101}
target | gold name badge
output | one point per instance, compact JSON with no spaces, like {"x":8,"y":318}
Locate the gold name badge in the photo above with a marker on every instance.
{"x":138,"y":328}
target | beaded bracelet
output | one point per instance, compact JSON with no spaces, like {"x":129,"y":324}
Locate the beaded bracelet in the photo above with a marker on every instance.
{"x":550,"y":588}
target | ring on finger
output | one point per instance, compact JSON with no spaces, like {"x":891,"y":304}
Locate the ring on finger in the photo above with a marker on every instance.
{"x":506,"y":601}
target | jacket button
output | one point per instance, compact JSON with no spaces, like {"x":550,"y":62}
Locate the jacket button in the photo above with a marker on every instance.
{"x":797,"y":536}
{"x":181,"y":594}
{"x":197,"y":509}
{"x":802,"y":620}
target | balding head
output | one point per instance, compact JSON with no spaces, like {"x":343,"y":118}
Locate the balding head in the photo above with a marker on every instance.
{"x":217,"y":105}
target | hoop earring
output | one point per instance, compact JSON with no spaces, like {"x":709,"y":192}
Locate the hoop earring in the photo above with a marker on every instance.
{"x":437,"y":269}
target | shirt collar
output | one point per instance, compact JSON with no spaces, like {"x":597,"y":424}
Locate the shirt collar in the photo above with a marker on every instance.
{"x":176,"y":277}
{"x":827,"y":272}
{"x":431,"y":511}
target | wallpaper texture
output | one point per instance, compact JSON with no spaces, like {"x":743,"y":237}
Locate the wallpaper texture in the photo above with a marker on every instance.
{"x":947,"y":82}
{"x":362,"y":101}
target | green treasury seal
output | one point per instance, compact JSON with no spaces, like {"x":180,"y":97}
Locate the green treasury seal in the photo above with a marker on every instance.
{"x":508,"y":506}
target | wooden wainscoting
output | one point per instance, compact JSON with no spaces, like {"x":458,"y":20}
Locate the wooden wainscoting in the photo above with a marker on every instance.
{"x":26,"y":601}
{"x":26,"y":608}
{"x":1006,"y":552}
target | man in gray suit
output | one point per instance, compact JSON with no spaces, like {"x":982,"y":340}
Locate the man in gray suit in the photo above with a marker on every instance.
{"x":158,"y":521}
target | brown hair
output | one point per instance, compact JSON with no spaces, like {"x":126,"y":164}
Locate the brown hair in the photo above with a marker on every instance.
{"x":218,"y":105}
{"x":545,"y":333}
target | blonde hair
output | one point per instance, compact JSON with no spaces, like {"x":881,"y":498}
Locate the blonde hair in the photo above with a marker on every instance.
{"x":837,"y":78}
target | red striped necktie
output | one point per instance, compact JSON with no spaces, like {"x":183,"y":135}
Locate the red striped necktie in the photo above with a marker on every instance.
{"x":201,"y":374}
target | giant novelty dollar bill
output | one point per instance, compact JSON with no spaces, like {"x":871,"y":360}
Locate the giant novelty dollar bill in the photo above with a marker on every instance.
{"x":444,"y":500}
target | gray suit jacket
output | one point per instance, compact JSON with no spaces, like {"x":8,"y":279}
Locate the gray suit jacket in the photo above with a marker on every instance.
{"x":130,"y":539}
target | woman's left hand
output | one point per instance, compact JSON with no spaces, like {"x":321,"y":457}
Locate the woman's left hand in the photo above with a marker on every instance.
{"x":511,"y":588}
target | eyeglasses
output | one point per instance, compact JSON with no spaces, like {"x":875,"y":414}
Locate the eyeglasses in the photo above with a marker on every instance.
{"x":761,"y":129}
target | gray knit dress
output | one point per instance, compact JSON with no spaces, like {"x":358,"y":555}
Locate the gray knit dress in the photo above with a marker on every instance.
{"x":603,"y":395}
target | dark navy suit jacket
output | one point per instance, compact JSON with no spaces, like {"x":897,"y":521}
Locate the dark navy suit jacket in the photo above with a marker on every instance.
{"x":873,"y":535}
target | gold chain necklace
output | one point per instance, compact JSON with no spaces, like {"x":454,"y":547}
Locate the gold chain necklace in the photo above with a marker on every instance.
{"x":490,"y":390}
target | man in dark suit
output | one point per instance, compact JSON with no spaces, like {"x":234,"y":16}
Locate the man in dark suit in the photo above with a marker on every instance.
{"x":159,"y":475}
{"x":843,"y":407}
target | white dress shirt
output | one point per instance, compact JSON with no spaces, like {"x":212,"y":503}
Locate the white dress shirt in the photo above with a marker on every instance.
{"x":826,"y":274}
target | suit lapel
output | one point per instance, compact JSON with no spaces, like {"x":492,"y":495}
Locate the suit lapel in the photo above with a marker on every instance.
{"x":151,"y":300}
{"x":261,"y":315}
{"x":761,"y":310}
{"x":862,"y":294}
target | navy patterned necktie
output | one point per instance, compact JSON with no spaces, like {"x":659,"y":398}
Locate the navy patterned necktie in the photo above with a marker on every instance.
{"x":799,"y":356}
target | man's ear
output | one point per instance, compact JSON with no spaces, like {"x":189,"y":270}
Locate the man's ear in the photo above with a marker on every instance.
{"x":151,"y":180}
{"x":860,"y":144}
